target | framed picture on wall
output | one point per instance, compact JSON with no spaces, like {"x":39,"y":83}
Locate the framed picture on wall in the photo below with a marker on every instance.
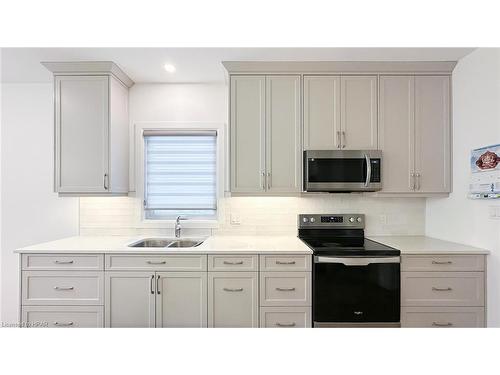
{"x":485,"y":172}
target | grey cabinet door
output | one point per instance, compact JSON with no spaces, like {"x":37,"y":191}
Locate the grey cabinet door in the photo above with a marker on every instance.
{"x":396,"y":133}
{"x":233,"y":299}
{"x":82,"y":133}
{"x":283,"y":140}
{"x":247,"y":134}
{"x":358,"y":112}
{"x":130,"y":299}
{"x":181,"y":299}
{"x":321,"y":112}
{"x":432,"y":134}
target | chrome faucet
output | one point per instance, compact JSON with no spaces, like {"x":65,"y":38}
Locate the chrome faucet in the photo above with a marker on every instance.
{"x":178,"y":226}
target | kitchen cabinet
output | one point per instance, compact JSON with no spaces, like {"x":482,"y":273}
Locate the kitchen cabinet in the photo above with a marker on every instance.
{"x":340,"y":112}
{"x":265,"y":134}
{"x":91,"y":128}
{"x":414,"y":134}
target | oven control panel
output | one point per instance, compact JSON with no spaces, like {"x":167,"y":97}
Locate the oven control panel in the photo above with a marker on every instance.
{"x":331,"y":221}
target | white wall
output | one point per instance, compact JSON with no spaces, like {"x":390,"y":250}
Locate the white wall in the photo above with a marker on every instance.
{"x":476,"y":117}
{"x":0,"y":183}
{"x":31,"y":211}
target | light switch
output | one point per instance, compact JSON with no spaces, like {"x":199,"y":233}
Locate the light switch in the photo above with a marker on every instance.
{"x":494,"y":212}
{"x":235,"y":219}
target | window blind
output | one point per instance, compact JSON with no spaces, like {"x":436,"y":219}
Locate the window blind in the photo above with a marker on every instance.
{"x":180,"y":174}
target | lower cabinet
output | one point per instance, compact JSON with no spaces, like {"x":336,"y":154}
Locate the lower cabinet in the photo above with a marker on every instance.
{"x":442,"y":317}
{"x":233,"y":299}
{"x":285,"y":317}
{"x":63,"y":316}
{"x":156,"y":299}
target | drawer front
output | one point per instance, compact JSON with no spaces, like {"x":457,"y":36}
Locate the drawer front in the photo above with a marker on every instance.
{"x":458,"y":263}
{"x":233,"y":299}
{"x":442,"y":289}
{"x":285,"y":289}
{"x":442,"y":317}
{"x":285,"y":317}
{"x":159,"y":262}
{"x":63,"y":316}
{"x":62,"y":288}
{"x":52,"y":262}
{"x":275,"y":263}
{"x":233,"y":263}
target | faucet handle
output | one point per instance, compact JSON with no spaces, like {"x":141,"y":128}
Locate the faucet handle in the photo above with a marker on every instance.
{"x":181,"y":218}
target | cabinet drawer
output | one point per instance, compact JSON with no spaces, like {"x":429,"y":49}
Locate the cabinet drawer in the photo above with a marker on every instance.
{"x":156,"y":262}
{"x":442,"y":317}
{"x":285,"y":262}
{"x":285,"y":289}
{"x":63,"y":316}
{"x":442,"y":263}
{"x":285,"y":317}
{"x":442,"y":289}
{"x":36,"y":262}
{"x":233,"y":263}
{"x":62,"y":288}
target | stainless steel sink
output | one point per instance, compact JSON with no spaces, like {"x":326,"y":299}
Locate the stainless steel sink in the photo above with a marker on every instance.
{"x":166,"y":242}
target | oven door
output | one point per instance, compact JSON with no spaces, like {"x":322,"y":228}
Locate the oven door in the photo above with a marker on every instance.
{"x":356,"y":290}
{"x":342,"y":171}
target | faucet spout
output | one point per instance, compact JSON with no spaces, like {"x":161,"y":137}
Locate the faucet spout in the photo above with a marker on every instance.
{"x":178,"y":226}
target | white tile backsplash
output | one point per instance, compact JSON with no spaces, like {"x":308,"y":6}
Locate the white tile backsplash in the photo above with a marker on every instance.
{"x":258,"y":215}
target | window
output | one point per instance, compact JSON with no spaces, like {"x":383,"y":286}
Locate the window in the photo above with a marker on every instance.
{"x":180,"y":174}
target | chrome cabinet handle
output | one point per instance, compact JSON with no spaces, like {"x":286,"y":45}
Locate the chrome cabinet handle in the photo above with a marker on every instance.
{"x":417,"y":179}
{"x":269,"y":181}
{"x":368,"y":170}
{"x":64,"y":287}
{"x":436,"y":324}
{"x":233,"y":263}
{"x":63,"y":261}
{"x":159,"y":262}
{"x":344,"y":141}
{"x":338,"y":139}
{"x":151,"y":284}
{"x":442,"y":289}
{"x":447,"y":262}
{"x":62,"y":324}
{"x":285,"y":289}
{"x":233,"y":289}
{"x":292,"y":324}
{"x":105,"y":183}
{"x":291,"y":262}
{"x":412,"y":181}
{"x":158,"y":285}
{"x":263,"y":178}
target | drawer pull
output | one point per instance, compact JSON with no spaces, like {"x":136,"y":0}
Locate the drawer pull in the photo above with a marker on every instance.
{"x":436,"y":324}
{"x":446,"y":262}
{"x":442,"y":289}
{"x":282,"y":263}
{"x":159,"y":262}
{"x":64,"y":287}
{"x":292,"y":324}
{"x":233,"y":263}
{"x":64,"y":261}
{"x":285,"y":289}
{"x":233,"y":289}
{"x":62,"y":324}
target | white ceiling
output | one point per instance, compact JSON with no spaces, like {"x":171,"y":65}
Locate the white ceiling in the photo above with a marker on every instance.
{"x":198,"y":64}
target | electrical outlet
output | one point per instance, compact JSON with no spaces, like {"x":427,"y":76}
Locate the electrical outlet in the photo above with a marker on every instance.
{"x":235,"y":219}
{"x":383,"y":219}
{"x":494,"y":212}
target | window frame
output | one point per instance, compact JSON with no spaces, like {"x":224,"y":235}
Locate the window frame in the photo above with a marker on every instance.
{"x":140,"y":169}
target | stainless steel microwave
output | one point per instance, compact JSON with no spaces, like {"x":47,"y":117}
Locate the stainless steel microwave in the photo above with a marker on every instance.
{"x":342,"y":170}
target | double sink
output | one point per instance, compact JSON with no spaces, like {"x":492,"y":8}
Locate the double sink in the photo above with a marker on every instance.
{"x":167,"y":243}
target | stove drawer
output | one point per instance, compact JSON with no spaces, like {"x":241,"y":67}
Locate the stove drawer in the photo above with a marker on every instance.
{"x":442,"y":288}
{"x":285,"y":289}
{"x":442,"y":317}
{"x":275,"y":263}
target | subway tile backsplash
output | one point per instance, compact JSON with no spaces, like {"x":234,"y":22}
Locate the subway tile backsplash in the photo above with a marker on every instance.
{"x":258,"y":215}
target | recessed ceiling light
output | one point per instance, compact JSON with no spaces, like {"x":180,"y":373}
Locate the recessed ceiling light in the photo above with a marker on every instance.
{"x":169,"y":68}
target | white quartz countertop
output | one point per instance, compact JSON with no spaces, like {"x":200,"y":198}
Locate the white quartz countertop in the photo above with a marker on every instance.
{"x":426,"y":245}
{"x":212,"y":245}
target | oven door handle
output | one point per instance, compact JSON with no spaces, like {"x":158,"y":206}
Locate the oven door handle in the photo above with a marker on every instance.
{"x":357,"y":261}
{"x":368,"y":170}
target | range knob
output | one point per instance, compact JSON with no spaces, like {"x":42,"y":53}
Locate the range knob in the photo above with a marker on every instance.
{"x":312,"y":220}
{"x":359,"y":220}
{"x":351,"y":220}
{"x":305,"y":219}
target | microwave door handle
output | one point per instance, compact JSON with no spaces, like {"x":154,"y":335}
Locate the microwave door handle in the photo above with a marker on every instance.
{"x":368,"y":170}
{"x":360,"y":261}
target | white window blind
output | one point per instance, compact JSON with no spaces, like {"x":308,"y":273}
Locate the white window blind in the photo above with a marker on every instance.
{"x":180,"y":174}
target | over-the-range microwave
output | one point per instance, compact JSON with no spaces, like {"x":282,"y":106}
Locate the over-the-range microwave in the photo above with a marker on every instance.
{"x":337,"y":171}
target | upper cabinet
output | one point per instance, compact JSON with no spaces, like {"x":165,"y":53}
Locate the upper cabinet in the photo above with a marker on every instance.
{"x":265,"y":134}
{"x":91,"y":128}
{"x":415,"y":134}
{"x":340,"y":112}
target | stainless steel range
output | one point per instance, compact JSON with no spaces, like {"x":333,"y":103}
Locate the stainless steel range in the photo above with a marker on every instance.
{"x":356,"y":281}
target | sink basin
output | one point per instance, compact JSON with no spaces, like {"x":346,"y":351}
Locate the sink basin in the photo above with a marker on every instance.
{"x":184,"y":243}
{"x":166,"y":242}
